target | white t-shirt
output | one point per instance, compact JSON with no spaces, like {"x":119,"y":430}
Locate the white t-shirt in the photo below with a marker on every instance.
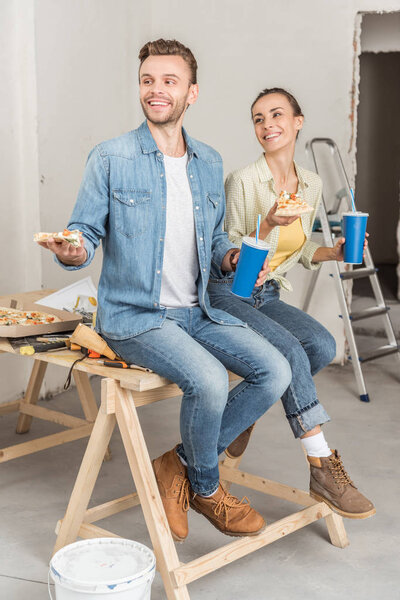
{"x":181,"y":263}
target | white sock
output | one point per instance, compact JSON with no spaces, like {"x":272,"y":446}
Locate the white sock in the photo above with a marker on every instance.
{"x":181,"y":459}
{"x":316,"y":445}
{"x":208,"y":496}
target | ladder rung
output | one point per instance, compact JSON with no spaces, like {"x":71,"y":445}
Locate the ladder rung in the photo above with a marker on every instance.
{"x":358,"y":273}
{"x":378,"y":352}
{"x":368,"y":313}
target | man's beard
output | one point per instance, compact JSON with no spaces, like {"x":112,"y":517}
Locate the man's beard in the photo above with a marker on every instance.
{"x":170,"y":118}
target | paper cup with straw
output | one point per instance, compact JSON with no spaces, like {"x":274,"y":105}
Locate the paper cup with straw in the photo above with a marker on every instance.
{"x":251,"y":259}
{"x":354,"y":226}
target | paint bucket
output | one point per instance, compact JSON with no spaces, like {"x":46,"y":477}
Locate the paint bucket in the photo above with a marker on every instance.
{"x":103,"y":569}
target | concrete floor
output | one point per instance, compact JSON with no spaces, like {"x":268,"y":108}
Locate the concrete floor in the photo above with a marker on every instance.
{"x":34,"y":491}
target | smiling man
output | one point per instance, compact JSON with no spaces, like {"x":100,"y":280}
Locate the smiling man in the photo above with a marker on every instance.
{"x":155,"y":198}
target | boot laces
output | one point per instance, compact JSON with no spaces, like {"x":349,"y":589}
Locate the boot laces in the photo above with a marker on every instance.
{"x":183,"y":493}
{"x":227,"y":503}
{"x":338,"y":471}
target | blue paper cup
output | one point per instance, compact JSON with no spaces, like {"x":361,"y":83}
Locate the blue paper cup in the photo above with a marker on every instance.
{"x":354,"y":226}
{"x":251,"y":259}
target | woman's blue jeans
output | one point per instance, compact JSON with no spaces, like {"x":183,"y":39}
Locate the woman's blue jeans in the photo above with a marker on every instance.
{"x":305,"y":343}
{"x":195,"y":353}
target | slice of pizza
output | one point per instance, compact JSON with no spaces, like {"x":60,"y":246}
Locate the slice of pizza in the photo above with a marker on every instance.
{"x":12,"y":316}
{"x":290,"y":205}
{"x":69,"y":236}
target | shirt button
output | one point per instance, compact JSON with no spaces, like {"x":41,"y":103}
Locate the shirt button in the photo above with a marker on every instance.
{"x":158,"y":153}
{"x":204,"y":268}
{"x":161,"y":239}
{"x":201,"y":239}
{"x":162,"y":175}
{"x":158,"y":272}
{"x":131,"y":200}
{"x":155,"y":304}
{"x":191,"y":177}
{"x":197,"y":208}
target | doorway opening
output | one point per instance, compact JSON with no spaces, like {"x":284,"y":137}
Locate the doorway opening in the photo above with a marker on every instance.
{"x":378,"y":146}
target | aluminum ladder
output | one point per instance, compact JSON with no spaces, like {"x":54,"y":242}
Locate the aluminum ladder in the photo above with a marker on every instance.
{"x":368,"y":270}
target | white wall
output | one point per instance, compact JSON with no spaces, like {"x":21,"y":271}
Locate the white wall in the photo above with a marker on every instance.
{"x":68,"y":69}
{"x":20,"y":264}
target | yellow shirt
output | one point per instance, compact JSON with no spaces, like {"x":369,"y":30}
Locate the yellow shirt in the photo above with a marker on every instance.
{"x":250,"y":191}
{"x":291,"y":239}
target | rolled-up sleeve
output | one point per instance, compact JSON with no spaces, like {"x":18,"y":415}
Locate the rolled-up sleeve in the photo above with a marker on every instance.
{"x":310,"y":247}
{"x":90,"y":214}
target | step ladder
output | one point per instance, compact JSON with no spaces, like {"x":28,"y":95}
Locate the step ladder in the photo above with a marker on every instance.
{"x":330,"y":226}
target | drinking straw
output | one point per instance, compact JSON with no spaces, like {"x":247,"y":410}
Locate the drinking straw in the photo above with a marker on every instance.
{"x":353,"y":204}
{"x":258,"y":227}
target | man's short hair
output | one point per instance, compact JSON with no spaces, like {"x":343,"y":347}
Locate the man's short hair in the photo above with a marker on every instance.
{"x":162,"y":47}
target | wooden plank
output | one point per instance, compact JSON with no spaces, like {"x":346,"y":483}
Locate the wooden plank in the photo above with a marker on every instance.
{"x":47,"y":441}
{"x":87,"y":531}
{"x":226,"y":554}
{"x":273,"y":488}
{"x":32,"y":394}
{"x":87,"y":400}
{"x":102,"y":511}
{"x":87,"y":476}
{"x":86,"y":396}
{"x":9,"y":407}
{"x":336,"y":530}
{"x":146,"y":485}
{"x":150,"y":396}
{"x":54,"y":416}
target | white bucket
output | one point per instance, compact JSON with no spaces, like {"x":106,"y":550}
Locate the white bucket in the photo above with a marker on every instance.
{"x":103,"y":568}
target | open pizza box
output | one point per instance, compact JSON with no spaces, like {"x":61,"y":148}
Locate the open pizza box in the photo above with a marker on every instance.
{"x":67,"y":322}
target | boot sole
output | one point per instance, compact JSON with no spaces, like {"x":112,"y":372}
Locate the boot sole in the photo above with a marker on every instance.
{"x":229,"y":455}
{"x":175,"y":537}
{"x":343,"y":513}
{"x":230,"y":533}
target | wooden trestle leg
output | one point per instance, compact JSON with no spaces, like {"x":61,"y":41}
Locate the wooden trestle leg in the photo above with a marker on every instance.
{"x":32,"y":394}
{"x":88,"y":473}
{"x":146,"y":485}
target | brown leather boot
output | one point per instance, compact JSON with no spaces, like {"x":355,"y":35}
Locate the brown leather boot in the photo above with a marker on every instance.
{"x":229,"y":514}
{"x":173,"y":484}
{"x":330,"y":483}
{"x":239,"y":445}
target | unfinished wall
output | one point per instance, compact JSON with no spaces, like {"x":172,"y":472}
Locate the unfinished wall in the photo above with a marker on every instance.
{"x":69,"y":69}
{"x":20,"y":263}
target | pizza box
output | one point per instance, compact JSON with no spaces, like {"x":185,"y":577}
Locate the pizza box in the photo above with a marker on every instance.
{"x":68,"y":321}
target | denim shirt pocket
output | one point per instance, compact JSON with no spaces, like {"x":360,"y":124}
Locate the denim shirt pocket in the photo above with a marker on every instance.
{"x":132,"y":211}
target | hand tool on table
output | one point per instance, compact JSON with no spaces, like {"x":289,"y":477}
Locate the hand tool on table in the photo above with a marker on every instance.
{"x":121,"y":364}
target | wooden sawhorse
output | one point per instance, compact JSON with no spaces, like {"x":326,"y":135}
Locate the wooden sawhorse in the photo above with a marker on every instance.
{"x":118,"y":405}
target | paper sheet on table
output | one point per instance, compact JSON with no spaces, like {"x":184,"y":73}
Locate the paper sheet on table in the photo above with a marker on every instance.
{"x":67,"y":298}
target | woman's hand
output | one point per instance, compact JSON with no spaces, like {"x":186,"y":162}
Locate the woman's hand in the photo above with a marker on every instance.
{"x":323,"y":253}
{"x":273,"y":220}
{"x":262,"y":276}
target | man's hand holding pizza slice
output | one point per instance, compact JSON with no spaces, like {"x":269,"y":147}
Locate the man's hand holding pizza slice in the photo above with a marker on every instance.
{"x":67,"y":251}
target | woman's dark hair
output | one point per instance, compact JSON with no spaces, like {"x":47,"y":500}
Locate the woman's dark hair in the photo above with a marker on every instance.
{"x":297,"y":112}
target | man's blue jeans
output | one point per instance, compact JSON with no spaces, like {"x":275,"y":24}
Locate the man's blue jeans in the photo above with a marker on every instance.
{"x":194,"y":352}
{"x":306,"y":344}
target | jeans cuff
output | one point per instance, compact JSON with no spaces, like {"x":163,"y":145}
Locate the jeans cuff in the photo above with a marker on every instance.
{"x":205,"y":481}
{"x":308,"y":419}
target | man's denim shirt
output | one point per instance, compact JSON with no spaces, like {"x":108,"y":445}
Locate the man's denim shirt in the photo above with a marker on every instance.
{"x":122,"y":201}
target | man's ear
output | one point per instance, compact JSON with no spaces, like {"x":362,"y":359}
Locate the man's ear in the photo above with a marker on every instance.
{"x":193,"y":93}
